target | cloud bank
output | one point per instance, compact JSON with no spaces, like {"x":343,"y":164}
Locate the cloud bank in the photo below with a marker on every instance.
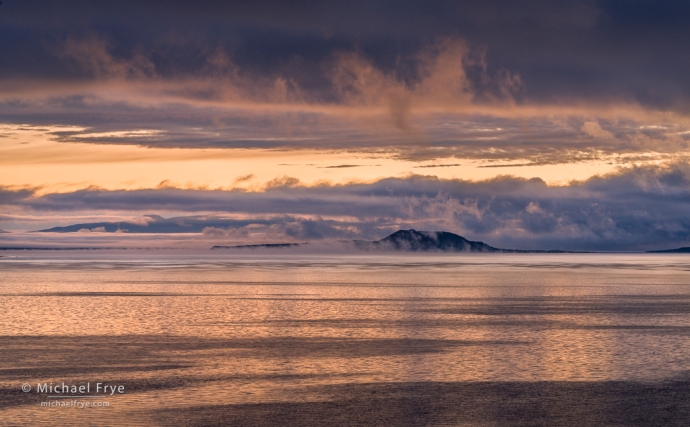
{"x":635,"y":209}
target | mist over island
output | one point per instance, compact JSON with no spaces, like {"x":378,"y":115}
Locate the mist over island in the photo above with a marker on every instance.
{"x":407,"y":241}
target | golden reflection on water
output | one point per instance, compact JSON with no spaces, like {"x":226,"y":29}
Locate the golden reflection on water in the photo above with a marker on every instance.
{"x":181,"y":333}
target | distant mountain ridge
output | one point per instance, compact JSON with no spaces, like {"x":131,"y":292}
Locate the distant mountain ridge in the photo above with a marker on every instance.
{"x":685,"y":250}
{"x":145,"y":224}
{"x":260,"y":246}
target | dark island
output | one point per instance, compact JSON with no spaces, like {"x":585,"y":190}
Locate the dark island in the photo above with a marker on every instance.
{"x":435,"y":241}
{"x":260,"y":245}
{"x":685,"y":250}
{"x":425,"y":241}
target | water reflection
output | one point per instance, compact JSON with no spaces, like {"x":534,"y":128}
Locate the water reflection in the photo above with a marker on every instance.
{"x":198,"y":335}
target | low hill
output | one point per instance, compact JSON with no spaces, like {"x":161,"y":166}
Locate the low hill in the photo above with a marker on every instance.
{"x":685,"y":250}
{"x":260,"y":246}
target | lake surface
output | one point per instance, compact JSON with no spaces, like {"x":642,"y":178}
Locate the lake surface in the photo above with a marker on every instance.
{"x":219,"y":338}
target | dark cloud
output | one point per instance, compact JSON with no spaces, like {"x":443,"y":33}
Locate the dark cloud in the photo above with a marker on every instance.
{"x":545,"y":82}
{"x":640,"y":208}
{"x":9,"y":196}
{"x":578,"y":49}
{"x":511,"y":165}
{"x":280,"y":227}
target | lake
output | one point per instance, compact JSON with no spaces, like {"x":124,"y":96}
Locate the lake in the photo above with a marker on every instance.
{"x":245,"y":338}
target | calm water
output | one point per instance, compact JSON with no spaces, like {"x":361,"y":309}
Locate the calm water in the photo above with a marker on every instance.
{"x":222,"y":339}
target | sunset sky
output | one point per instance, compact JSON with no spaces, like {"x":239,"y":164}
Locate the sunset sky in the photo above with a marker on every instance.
{"x":534,"y":124}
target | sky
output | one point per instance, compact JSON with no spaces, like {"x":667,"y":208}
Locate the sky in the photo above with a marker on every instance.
{"x":529,"y":125}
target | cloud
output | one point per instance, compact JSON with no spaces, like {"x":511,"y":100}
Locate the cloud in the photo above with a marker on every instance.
{"x":510,"y":165}
{"x":277,"y":228}
{"x":565,"y":50}
{"x":440,"y":166}
{"x":441,"y":97}
{"x":636,"y":208}
{"x":594,"y":129}
{"x":92,"y":55}
{"x":344,"y":166}
{"x":282,"y":182}
{"x":8,"y":196}
{"x":244,"y":178}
